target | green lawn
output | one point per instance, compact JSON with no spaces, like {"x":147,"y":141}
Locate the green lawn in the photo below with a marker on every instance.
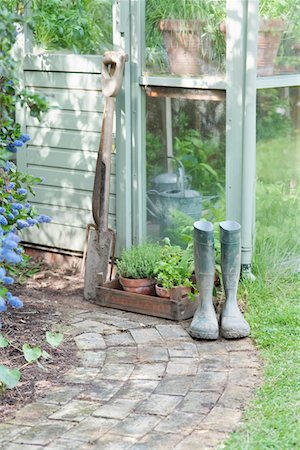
{"x":272,"y":420}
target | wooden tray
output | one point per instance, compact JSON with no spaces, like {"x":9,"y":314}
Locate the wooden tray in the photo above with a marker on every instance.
{"x":111,"y":295}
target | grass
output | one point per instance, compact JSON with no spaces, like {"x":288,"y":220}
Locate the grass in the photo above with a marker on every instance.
{"x":272,"y":420}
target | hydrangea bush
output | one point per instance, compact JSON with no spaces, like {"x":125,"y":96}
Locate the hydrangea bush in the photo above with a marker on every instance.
{"x":16,"y":213}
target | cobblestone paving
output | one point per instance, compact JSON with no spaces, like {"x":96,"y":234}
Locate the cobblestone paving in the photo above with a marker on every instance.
{"x":143,"y":384}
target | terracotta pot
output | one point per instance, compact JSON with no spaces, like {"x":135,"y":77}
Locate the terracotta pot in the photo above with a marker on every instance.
{"x":188,"y":48}
{"x":268,"y":42}
{"x":144,"y":286}
{"x":177,"y":291}
{"x":269,"y":38}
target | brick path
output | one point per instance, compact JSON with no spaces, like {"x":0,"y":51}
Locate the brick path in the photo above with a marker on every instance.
{"x":142,"y":384}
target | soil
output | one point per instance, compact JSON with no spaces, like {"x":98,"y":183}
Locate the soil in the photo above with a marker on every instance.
{"x":47,"y":297}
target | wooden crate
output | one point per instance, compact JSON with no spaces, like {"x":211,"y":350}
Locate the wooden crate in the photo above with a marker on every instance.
{"x":111,"y":295}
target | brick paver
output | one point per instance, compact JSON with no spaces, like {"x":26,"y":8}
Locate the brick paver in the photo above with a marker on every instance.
{"x":142,"y":384}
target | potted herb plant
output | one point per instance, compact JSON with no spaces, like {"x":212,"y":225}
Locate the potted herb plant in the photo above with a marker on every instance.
{"x":174,"y":270}
{"x":188,"y":31}
{"x":136,"y":267}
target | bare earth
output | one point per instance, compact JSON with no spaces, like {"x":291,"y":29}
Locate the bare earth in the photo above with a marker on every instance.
{"x":46,"y":298}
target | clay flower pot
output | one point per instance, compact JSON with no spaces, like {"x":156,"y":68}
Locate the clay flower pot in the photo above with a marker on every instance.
{"x":143,"y":286}
{"x":268,"y":42}
{"x":269,"y":38}
{"x":174,"y":293}
{"x":188,"y":48}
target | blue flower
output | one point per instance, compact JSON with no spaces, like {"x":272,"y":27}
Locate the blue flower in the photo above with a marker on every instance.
{"x":2,"y":210}
{"x":44,"y":219}
{"x":17,"y":206}
{"x":8,"y":165}
{"x":32,"y":221}
{"x":11,"y":185}
{"x":12,"y":148}
{"x":2,"y":305}
{"x":2,"y":273}
{"x":10,"y":256}
{"x":10,"y":216}
{"x":25,"y":137}
{"x":7,"y":280}
{"x":13,"y":236}
{"x":22,"y":191}
{"x":18,"y":143}
{"x":14,"y":301}
{"x":21,"y":223}
{"x":10,"y":243}
{"x":3,"y":220}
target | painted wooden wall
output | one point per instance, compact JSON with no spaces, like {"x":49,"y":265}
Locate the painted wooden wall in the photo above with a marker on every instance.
{"x":64,"y":146}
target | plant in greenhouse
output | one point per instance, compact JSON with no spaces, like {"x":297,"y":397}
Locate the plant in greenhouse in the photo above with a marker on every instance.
{"x":170,"y":24}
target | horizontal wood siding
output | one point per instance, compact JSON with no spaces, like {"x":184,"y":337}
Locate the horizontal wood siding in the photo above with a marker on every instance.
{"x":64,"y":146}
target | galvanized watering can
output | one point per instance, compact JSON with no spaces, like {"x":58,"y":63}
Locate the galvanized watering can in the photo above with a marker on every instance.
{"x":171,"y":192}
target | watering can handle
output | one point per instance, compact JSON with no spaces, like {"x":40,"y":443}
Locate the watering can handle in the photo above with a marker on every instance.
{"x":112,"y":72}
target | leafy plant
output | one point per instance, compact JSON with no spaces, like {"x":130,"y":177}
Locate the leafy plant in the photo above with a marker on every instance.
{"x":139,"y":261}
{"x":273,"y":118}
{"x":16,"y":212}
{"x":197,"y":157}
{"x":83,"y":26}
{"x":10,"y":377}
{"x":175,"y":267}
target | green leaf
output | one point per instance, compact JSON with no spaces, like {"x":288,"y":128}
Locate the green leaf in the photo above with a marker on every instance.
{"x":41,"y":366}
{"x":3,"y":291}
{"x":3,"y":341}
{"x":10,"y":377}
{"x":46,"y":355}
{"x":54,"y":339}
{"x":31,"y":354}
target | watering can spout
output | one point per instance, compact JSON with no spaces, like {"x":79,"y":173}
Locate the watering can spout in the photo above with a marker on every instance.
{"x":181,"y":180}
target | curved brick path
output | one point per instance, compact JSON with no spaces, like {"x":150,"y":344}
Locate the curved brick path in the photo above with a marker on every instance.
{"x":142,"y":383}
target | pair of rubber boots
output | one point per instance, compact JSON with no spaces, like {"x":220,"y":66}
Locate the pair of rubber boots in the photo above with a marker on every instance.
{"x":232,"y":323}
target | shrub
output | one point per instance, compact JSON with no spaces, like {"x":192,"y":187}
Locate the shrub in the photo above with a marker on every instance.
{"x":16,"y":212}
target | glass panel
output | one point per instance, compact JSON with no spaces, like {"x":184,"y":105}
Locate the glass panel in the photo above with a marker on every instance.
{"x":278,"y":46}
{"x":183,"y":37}
{"x":278,"y":178}
{"x":185,"y":152}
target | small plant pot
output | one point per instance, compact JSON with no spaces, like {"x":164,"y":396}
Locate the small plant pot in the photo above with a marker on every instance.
{"x":269,"y":37}
{"x":188,"y":47}
{"x":143,"y":286}
{"x":175,"y":292}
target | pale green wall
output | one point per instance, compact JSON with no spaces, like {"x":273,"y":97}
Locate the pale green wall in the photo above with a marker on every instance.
{"x":64,"y":146}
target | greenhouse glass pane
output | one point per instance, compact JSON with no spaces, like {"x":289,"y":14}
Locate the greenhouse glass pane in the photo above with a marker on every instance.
{"x":278,"y":178}
{"x":278,"y":45}
{"x":185,"y":154}
{"x":183,"y":37}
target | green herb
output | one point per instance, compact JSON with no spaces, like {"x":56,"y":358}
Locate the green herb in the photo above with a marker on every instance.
{"x":139,"y":261}
{"x":175,"y":267}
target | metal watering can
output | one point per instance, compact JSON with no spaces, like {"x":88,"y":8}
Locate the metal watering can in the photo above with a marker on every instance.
{"x":171,"y":192}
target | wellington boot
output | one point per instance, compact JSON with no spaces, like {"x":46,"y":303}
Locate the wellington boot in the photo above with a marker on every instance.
{"x":204,"y":324}
{"x":233,"y":325}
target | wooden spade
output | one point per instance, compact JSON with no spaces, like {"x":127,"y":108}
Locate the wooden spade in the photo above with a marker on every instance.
{"x":101,"y":239}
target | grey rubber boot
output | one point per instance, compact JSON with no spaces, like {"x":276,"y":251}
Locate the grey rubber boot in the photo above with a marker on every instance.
{"x":233,"y":325}
{"x":204,"y":324}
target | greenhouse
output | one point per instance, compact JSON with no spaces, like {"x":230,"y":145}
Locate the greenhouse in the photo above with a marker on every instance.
{"x":136,"y":137}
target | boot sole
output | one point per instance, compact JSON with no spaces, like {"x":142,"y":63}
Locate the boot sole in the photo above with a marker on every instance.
{"x":207,"y":336}
{"x":234,"y":334}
